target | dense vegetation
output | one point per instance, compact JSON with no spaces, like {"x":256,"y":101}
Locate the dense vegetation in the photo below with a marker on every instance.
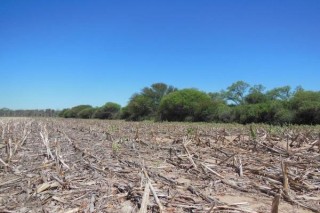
{"x":186,"y":105}
{"x":5,"y":112}
{"x":240,"y":103}
{"x":108,"y":111}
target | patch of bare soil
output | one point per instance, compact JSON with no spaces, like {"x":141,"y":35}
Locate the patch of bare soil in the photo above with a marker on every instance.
{"x":59,"y":165}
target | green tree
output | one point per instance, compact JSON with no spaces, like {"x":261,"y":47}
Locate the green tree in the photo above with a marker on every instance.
{"x":256,"y":95}
{"x":272,"y":112}
{"x":86,"y":113}
{"x":186,"y":105}
{"x":236,"y":92}
{"x":222,"y":113}
{"x":73,"y":112}
{"x":145,"y":104}
{"x":156,"y":92}
{"x":280,"y":93}
{"x":139,"y":108}
{"x":108,"y":111}
{"x":63,"y":113}
{"x":124,"y":113}
{"x":306,"y":106}
{"x":217,"y":97}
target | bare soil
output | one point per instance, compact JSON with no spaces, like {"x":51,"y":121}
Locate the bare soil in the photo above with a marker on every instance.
{"x":66,"y":165}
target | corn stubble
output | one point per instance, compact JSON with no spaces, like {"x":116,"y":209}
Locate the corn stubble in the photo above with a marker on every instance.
{"x":57,"y":165}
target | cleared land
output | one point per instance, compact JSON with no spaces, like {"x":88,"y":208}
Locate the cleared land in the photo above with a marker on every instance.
{"x":58,"y":165}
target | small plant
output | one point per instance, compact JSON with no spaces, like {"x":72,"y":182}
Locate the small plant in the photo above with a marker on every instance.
{"x":191,"y":131}
{"x":115,"y":147}
{"x":158,"y":163}
{"x":275,"y":130}
{"x":253,"y":133}
{"x":113,"y":128}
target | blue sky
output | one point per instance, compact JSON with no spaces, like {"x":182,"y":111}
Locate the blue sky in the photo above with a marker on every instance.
{"x":57,"y":54}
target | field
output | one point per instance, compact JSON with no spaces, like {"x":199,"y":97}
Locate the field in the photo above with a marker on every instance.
{"x":65,"y":165}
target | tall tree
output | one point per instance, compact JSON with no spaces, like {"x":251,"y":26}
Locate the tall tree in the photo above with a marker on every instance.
{"x":138,"y":108}
{"x":145,"y":104}
{"x":280,"y":93}
{"x":256,"y":95}
{"x":237,"y":92}
{"x":155,"y":93}
{"x":217,"y":97}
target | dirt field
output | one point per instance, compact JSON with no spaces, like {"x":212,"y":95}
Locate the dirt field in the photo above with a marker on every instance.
{"x":58,"y":165}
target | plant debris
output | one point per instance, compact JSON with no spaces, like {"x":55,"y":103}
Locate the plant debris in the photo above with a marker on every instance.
{"x":59,"y":165}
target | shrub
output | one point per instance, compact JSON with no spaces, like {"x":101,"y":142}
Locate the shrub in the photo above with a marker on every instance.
{"x":145,"y":104}
{"x":108,"y":111}
{"x":86,"y":113}
{"x":186,"y":104}
{"x":306,"y":106}
{"x":73,"y":112}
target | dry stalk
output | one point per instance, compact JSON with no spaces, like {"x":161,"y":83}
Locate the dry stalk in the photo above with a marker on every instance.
{"x":9,"y":181}
{"x":22,"y":141}
{"x":93,"y":199}
{"x":136,"y":137}
{"x":4,"y":163}
{"x":45,"y":140}
{"x":145,"y":198}
{"x":9,"y":150}
{"x":161,"y":209}
{"x":189,"y":156}
{"x":275,"y":204}
{"x":240,"y":168}
{"x":285,"y":177}
{"x":3,"y":133}
{"x":59,"y":156}
{"x":228,"y":158}
{"x":213,"y":172}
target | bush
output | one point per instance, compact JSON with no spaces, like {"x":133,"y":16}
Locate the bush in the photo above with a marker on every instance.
{"x":124,"y":113}
{"x":220,"y":113}
{"x":86,"y":113}
{"x":255,"y":98}
{"x":73,"y":112}
{"x":145,"y":105}
{"x":272,"y":112}
{"x":186,"y":104}
{"x":63,"y":113}
{"x":108,"y":111}
{"x":139,"y":108}
{"x":306,"y":107}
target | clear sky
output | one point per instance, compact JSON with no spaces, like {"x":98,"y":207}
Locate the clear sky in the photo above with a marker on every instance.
{"x":61,"y":53}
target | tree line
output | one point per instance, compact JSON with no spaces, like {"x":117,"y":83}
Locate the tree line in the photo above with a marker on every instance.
{"x":239,"y":103}
{"x":5,"y":112}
